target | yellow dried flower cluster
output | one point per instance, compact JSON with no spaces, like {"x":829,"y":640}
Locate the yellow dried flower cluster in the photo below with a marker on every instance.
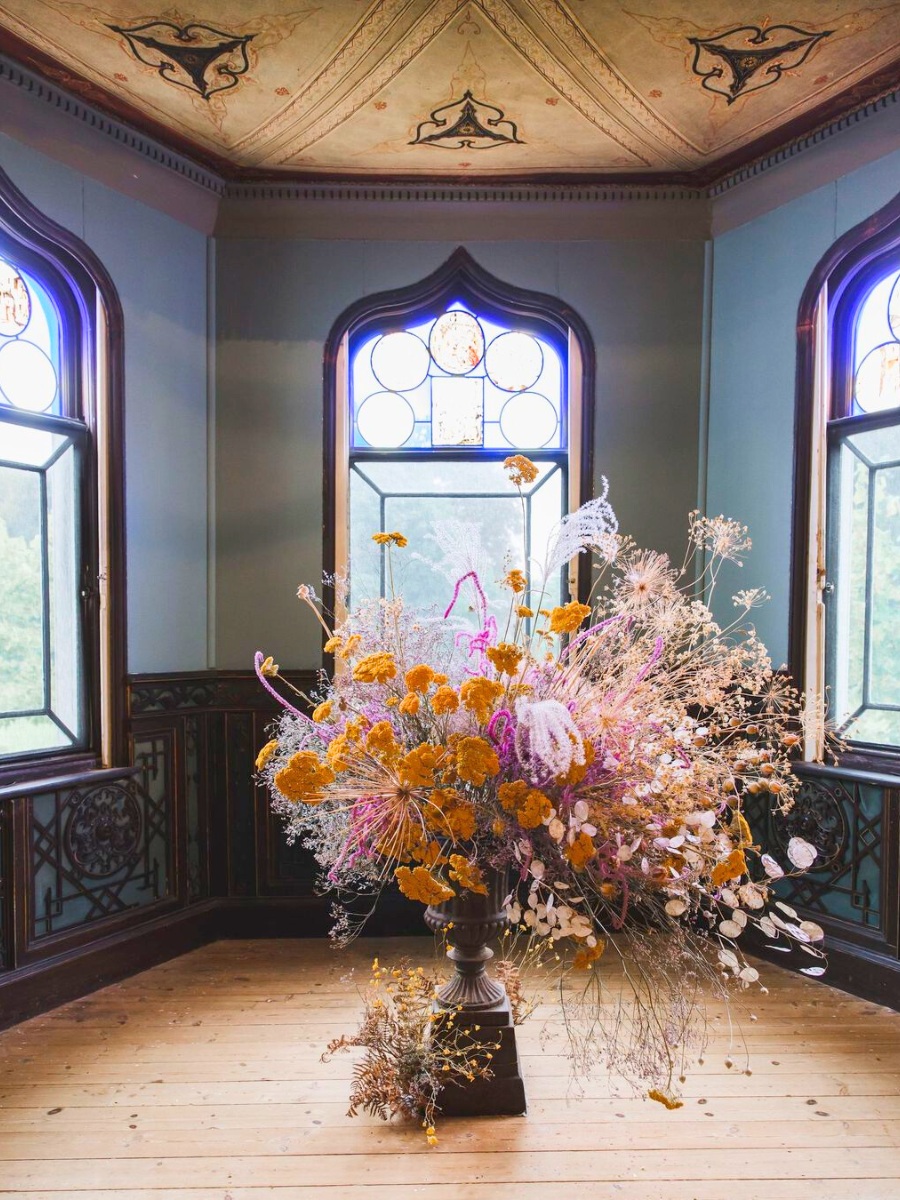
{"x":521,"y":470}
{"x":388,"y":539}
{"x":419,"y":884}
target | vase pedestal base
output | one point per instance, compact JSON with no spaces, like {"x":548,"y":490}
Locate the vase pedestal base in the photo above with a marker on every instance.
{"x":503,"y":1094}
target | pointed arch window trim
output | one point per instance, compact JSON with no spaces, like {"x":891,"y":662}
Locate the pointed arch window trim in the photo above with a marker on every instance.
{"x":91,"y":386}
{"x":826,"y":330}
{"x":463,"y":281}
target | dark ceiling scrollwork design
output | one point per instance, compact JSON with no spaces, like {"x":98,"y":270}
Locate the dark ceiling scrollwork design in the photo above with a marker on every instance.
{"x":198,"y":57}
{"x":466,"y":124}
{"x":751,"y":57}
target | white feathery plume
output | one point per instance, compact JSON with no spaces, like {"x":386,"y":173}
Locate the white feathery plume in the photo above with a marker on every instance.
{"x":591,"y":527}
{"x":460,"y":548}
{"x":546,"y":732}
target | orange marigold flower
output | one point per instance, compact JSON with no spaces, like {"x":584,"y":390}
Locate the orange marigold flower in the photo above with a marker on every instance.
{"x":381,"y":538}
{"x":505,"y":657}
{"x":322,"y":711}
{"x":515,"y":580}
{"x":349,"y":646}
{"x":534,"y":810}
{"x":444,"y":700}
{"x":375,"y":668}
{"x":417,"y":767}
{"x":522,"y":610}
{"x":467,"y":874}
{"x":265,"y":754}
{"x":303,"y":778}
{"x":512,"y":794}
{"x":428,"y":853}
{"x":440,"y":679}
{"x":338,"y":748}
{"x":333,"y":644}
{"x":398,"y":539}
{"x":529,"y":805}
{"x":419,"y":678}
{"x":580,"y":852}
{"x":589,"y":954}
{"x":409,"y":704}
{"x":419,"y":884}
{"x":479,"y":695}
{"x":521,"y":469}
{"x":567,"y":617}
{"x":733,"y":867}
{"x":452,"y":815}
{"x":381,"y":742}
{"x":476,"y":760}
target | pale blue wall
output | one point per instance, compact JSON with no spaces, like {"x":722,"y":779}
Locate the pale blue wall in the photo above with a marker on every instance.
{"x":278,"y":298}
{"x":759,"y":273}
{"x":159,"y":268}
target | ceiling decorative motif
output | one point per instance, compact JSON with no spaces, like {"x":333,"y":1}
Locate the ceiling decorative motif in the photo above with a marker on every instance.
{"x":187,"y":55}
{"x":596,"y":90}
{"x":754,"y":57}
{"x":468,"y":131}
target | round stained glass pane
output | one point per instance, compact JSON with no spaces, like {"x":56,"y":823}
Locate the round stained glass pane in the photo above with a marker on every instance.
{"x":385,"y":419}
{"x":877,"y":384}
{"x":15,"y":302}
{"x":400,"y":361}
{"x":528,"y":420}
{"x":514,"y":361}
{"x":456,"y":343}
{"x":27,"y":377}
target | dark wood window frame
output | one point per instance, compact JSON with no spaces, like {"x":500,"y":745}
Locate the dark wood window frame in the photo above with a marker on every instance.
{"x":92,"y":390}
{"x":460,"y":278}
{"x":846,"y":272}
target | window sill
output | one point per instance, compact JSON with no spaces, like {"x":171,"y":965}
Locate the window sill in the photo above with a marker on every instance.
{"x":880,"y":770}
{"x":59,"y":782}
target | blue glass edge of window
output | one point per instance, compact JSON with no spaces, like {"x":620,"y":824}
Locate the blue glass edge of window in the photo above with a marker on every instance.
{"x":847,"y":417}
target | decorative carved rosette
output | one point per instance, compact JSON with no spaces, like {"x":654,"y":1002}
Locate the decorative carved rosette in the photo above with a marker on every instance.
{"x":103,"y":833}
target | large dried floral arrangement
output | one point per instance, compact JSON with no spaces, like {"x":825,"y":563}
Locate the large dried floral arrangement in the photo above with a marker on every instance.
{"x":601,"y":753}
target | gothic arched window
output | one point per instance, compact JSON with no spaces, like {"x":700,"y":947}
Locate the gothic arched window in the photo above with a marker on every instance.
{"x":429,"y":390}
{"x":846,"y":631}
{"x":59,"y":551}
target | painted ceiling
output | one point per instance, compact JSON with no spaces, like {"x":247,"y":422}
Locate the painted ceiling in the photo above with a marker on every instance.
{"x":474,"y":89}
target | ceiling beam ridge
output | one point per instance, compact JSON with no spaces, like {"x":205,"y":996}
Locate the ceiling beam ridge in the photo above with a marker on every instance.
{"x":40,"y":89}
{"x":377,"y":63}
{"x":571,"y":35}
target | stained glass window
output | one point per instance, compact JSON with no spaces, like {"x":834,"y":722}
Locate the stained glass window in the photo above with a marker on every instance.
{"x":863,"y":545}
{"x":435,"y":408}
{"x":42,"y":454}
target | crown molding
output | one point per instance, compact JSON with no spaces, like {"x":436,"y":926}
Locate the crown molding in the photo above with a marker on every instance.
{"x":794,"y":148}
{"x":124,"y":134}
{"x":460,"y":193}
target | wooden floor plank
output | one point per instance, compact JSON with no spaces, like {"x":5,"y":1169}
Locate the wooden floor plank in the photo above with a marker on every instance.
{"x":201,"y":1080}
